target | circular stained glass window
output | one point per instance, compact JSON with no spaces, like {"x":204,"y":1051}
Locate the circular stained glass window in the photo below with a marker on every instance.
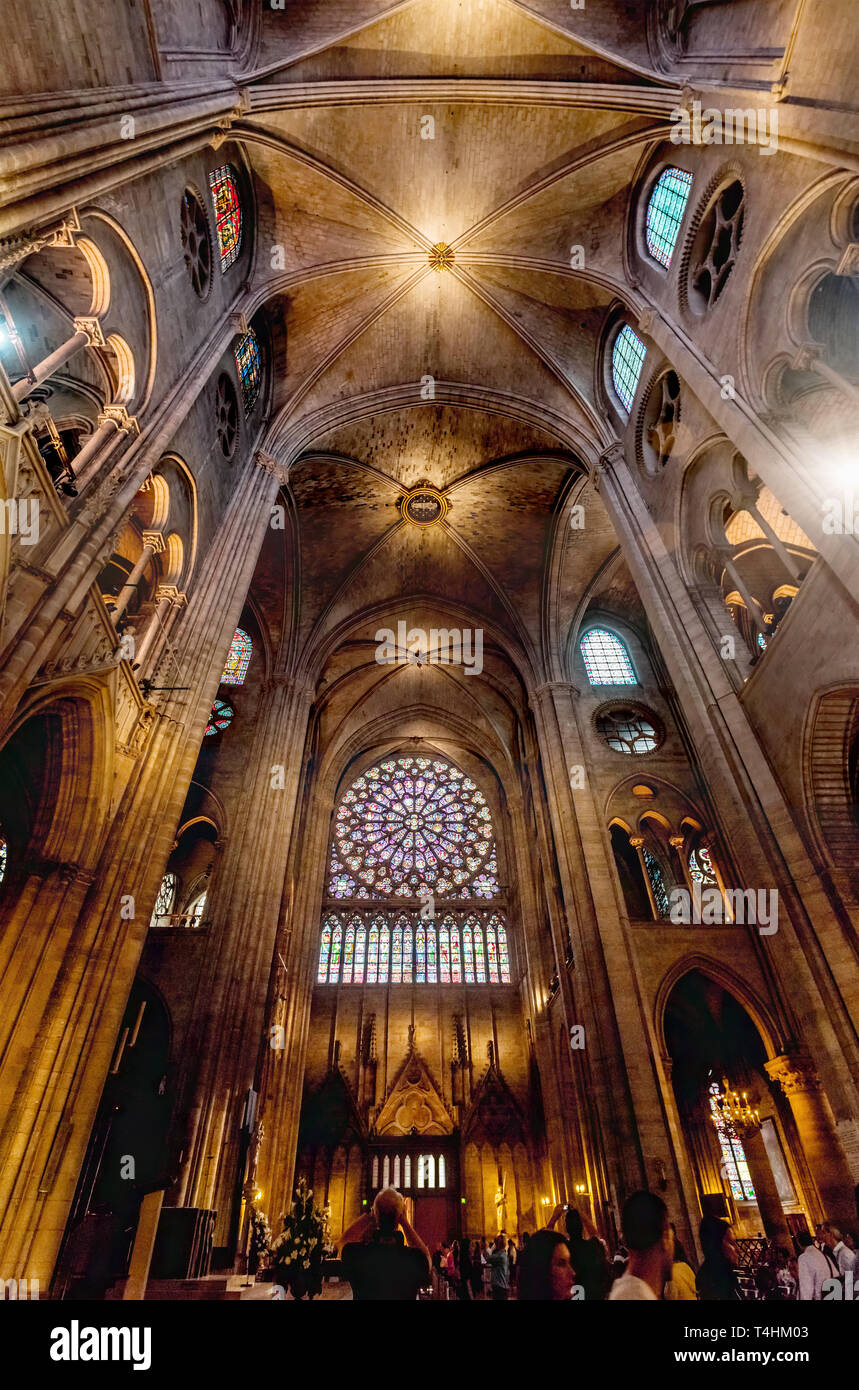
{"x":628,"y":731}
{"x":226,"y":416}
{"x":410,"y":822}
{"x":196,"y":246}
{"x":221,"y":717}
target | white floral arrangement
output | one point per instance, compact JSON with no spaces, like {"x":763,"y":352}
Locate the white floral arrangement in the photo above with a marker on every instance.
{"x":303,"y":1230}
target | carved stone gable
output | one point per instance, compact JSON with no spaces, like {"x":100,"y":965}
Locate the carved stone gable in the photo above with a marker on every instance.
{"x":414,"y":1104}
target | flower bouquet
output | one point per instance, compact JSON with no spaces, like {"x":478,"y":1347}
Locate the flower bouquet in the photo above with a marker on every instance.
{"x":297,"y":1251}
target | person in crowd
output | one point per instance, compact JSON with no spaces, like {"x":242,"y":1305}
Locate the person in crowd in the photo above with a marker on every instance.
{"x":545,"y":1270}
{"x":842,"y":1254}
{"x":681,"y":1285}
{"x":496,"y":1258}
{"x":784,"y":1262}
{"x":382,"y":1256}
{"x":476,"y":1271}
{"x":512,"y":1260}
{"x":587,"y":1252}
{"x":716,"y":1280}
{"x":825,"y":1240}
{"x":814,"y":1268}
{"x":647,"y":1234}
{"x":466,"y":1269}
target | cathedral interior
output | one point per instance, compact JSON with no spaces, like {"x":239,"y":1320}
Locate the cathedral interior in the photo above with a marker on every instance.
{"x":429,"y":690}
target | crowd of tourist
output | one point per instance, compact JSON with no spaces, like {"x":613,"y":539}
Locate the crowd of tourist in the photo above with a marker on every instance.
{"x":383,"y":1257}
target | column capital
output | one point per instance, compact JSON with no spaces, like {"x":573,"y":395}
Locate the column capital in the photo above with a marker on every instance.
{"x":155,"y":540}
{"x":549,"y":687}
{"x":119,"y":416}
{"x":678,"y":841}
{"x":271,"y":465}
{"x":91,"y":326}
{"x":794,"y":1071}
{"x":610,"y":457}
{"x":170,"y":591}
{"x":636,"y":841}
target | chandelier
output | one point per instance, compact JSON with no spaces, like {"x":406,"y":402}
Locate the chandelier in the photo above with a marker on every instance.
{"x":733,"y":1108}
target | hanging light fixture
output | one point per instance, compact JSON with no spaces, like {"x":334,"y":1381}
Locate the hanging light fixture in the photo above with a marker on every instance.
{"x":734,"y":1107}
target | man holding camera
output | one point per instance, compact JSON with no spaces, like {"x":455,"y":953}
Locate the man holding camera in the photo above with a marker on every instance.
{"x":382,"y":1255}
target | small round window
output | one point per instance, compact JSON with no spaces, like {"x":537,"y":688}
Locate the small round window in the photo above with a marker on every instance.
{"x":628,"y":730}
{"x":227,"y":416}
{"x":196,"y":244}
{"x":716,"y":247}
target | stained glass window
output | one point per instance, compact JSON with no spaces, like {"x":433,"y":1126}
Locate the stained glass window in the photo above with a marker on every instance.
{"x":336,"y":941}
{"x":665,"y":209}
{"x":455,"y":961}
{"x":503,"y":957}
{"x":606,"y":659}
{"x":221,"y":718}
{"x":348,"y":955}
{"x":442,"y":1174}
{"x":4,"y":856}
{"x":492,"y":955}
{"x":228,"y":214}
{"x":248,"y":366}
{"x":407,"y":955}
{"x":407,"y":1171}
{"x":432,"y":962}
{"x":733,"y":1155}
{"x":384,"y":947}
{"x":627,"y":731}
{"x":701,"y":868}
{"x":396,"y":1170}
{"x":360,"y":953}
{"x":373,"y":956}
{"x":468,"y":955}
{"x":238,"y":659}
{"x":324,"y":953}
{"x":406,"y":826}
{"x":657,"y":883}
{"x":412,"y":821}
{"x":444,"y":954}
{"x":164,"y":901}
{"x":627,"y":360}
{"x":420,"y":956}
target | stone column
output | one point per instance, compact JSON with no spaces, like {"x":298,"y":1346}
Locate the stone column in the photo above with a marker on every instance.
{"x":153,"y":544}
{"x":797,"y":1075}
{"x":637,"y":843}
{"x":87,"y":333}
{"x":113,"y":423}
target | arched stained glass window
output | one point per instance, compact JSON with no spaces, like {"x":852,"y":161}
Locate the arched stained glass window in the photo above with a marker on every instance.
{"x":627,"y":360}
{"x":426,"y":1170}
{"x":4,"y":855}
{"x":373,"y":956}
{"x":396,"y":1170}
{"x":444,"y":955}
{"x":657,"y":883}
{"x":384,"y":949}
{"x":420,"y":956}
{"x":397,"y":956}
{"x":442,"y":1173}
{"x":606,"y":659}
{"x":468,"y":955}
{"x":375,"y":1170}
{"x":407,"y":1171}
{"x":503,"y":957}
{"x":386,"y":1171}
{"x":432,"y":960}
{"x":249,"y":368}
{"x":360,"y":954}
{"x":492,"y":954}
{"x":228,"y":213}
{"x":348,"y":955}
{"x":163,"y":903}
{"x":455,"y":959}
{"x":701,"y":868}
{"x":336,"y":942}
{"x":479,"y":963}
{"x":220,"y":719}
{"x":238,"y":659}
{"x":734,"y":1164}
{"x":407,"y":955}
{"x":665,"y":208}
{"x":324,"y":953}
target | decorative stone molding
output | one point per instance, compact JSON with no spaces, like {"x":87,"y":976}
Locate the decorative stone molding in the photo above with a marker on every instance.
{"x":91,"y":326}
{"x":239,"y":324}
{"x":169,"y":591}
{"x":849,"y":263}
{"x":156,"y":540}
{"x":16,"y":249}
{"x":119,"y":416}
{"x":794,"y":1071}
{"x":270,"y":465}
